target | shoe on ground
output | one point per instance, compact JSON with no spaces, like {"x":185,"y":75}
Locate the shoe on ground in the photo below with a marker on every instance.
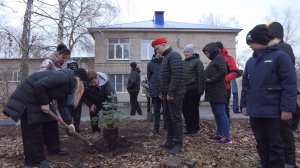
{"x":43,"y":164}
{"x":140,"y":113}
{"x":167,"y":145}
{"x":187,"y":132}
{"x":132,"y":114}
{"x":61,"y":151}
{"x":176,"y":149}
{"x":215,"y":137}
{"x":224,"y":140}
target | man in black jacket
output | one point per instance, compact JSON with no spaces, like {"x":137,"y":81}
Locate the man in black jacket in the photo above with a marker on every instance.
{"x":172,"y":87}
{"x":133,"y":88}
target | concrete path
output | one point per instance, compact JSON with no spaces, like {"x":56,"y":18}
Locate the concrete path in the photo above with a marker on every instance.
{"x":205,"y":114}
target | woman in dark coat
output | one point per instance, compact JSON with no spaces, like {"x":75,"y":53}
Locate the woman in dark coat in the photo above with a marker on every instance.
{"x":215,"y":91}
{"x":30,"y":104}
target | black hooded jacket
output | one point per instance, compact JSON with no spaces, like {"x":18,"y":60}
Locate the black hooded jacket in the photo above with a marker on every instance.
{"x":277,"y":31}
{"x":215,"y":89}
{"x":39,"y":89}
{"x":134,"y":80}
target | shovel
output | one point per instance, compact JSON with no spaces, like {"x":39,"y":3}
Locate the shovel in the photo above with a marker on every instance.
{"x":58,"y":119}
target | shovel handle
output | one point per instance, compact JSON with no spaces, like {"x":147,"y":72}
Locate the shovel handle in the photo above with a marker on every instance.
{"x":58,"y":119}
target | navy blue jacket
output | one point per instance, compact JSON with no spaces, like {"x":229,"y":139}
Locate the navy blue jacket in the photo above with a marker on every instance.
{"x":153,"y":75}
{"x":269,"y":84}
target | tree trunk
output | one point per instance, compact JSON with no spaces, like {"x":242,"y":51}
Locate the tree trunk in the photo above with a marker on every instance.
{"x":61,"y":20}
{"x":25,"y":40}
{"x":111,"y":137}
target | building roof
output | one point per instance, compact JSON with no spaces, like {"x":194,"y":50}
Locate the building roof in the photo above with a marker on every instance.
{"x":167,"y":25}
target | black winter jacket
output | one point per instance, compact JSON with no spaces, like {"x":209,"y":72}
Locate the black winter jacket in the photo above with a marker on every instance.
{"x":39,"y":89}
{"x":171,"y":74}
{"x":194,"y":74}
{"x":153,"y":75}
{"x":215,"y":89}
{"x":97,"y":95}
{"x":134,"y":80}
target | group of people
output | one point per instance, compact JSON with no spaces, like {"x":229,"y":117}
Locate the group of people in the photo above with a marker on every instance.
{"x":269,"y":92}
{"x":59,"y":85}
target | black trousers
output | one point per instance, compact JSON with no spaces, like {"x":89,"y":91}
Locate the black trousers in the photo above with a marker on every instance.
{"x":228,"y":95}
{"x":135,"y":105}
{"x":148,"y":104}
{"x":190,"y":110}
{"x":267,"y":133}
{"x":288,"y":142}
{"x":156,"y":101}
{"x":94,"y":123}
{"x":173,"y":118}
{"x":76,"y":115}
{"x":296,"y":118}
{"x":34,"y":137}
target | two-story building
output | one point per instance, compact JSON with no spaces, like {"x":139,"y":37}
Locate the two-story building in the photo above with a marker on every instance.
{"x":116,"y":46}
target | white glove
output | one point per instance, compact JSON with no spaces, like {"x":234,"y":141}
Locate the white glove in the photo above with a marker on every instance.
{"x":71,"y":128}
{"x":45,"y":108}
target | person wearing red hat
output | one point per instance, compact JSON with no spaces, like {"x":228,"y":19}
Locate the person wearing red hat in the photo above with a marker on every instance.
{"x":172,"y":88}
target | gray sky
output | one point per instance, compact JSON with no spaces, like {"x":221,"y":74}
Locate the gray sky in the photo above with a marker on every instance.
{"x":248,"y":12}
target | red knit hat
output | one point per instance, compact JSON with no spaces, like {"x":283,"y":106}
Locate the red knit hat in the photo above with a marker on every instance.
{"x":158,"y":41}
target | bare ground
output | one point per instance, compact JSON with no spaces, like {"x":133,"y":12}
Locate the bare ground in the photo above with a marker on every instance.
{"x":139,"y":148}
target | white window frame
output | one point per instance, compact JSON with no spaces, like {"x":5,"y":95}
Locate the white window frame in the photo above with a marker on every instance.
{"x":114,"y":79}
{"x":120,"y":44}
{"x":146,"y":46}
{"x":14,"y":75}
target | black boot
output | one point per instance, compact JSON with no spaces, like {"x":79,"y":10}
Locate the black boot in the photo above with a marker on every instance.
{"x":176,"y":148}
{"x":167,"y":145}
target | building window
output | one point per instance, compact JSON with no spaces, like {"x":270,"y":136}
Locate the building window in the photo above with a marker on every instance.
{"x":119,"y":81}
{"x":118,"y":49}
{"x":14,"y":75}
{"x":146,"y":49}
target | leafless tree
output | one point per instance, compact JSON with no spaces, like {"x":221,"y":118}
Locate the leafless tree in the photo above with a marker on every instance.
{"x":73,"y":18}
{"x":290,"y":21}
{"x":25,"y":40}
{"x":213,"y":19}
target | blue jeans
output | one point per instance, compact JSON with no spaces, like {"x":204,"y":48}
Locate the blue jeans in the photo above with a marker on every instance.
{"x":221,"y":118}
{"x":235,"y":103}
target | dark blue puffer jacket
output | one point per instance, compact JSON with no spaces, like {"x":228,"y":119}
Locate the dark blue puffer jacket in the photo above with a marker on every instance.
{"x":153,"y":75}
{"x":269,"y":84}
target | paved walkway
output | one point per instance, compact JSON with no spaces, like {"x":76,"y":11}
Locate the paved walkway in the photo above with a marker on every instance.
{"x":205,"y":114}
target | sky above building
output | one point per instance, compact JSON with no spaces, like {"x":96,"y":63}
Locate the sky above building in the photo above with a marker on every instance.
{"x":247,"y":13}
